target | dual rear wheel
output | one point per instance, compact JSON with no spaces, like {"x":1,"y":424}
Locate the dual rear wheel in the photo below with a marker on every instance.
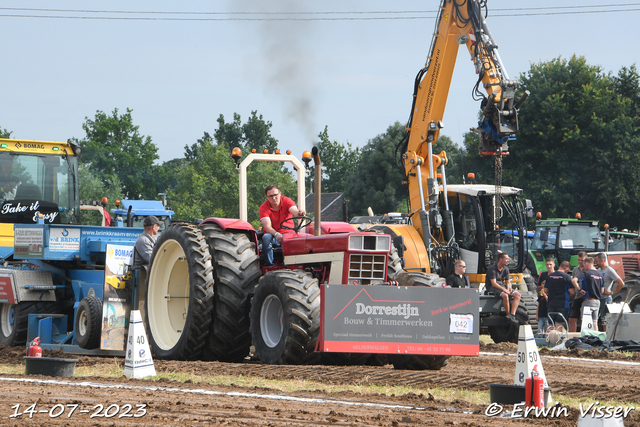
{"x":200,"y":283}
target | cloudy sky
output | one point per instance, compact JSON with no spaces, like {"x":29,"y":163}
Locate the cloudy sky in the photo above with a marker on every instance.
{"x":303,"y":65}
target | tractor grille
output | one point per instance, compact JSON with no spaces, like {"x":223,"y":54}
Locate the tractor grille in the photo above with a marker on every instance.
{"x":630,"y":264}
{"x":365,"y":269}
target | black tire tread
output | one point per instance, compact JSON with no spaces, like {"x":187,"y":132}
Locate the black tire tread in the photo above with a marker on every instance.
{"x":345,"y":359}
{"x":628,"y":293}
{"x":394,"y":264}
{"x":300,"y":298}
{"x":21,"y":323}
{"x":417,"y":362}
{"x":236,"y":273}
{"x":93,"y":306}
{"x":413,"y":278}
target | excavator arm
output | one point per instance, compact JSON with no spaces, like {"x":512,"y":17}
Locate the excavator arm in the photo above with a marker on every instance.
{"x":459,"y":22}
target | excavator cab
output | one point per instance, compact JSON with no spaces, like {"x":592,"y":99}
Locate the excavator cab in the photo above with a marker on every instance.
{"x":479,"y":223}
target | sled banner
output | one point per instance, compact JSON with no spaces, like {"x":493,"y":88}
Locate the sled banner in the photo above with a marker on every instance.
{"x":400,"y":320}
{"x":118,"y":285}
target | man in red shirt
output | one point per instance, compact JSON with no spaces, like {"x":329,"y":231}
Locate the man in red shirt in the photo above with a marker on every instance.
{"x":272,"y":213}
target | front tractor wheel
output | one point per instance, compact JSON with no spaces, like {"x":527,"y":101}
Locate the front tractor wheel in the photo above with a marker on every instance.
{"x":179,"y":299}
{"x":285,"y":318}
{"x":88,"y":322}
{"x":14,"y":319}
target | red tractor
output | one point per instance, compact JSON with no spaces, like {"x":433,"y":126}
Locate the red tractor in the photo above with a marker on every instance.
{"x":209,"y":296}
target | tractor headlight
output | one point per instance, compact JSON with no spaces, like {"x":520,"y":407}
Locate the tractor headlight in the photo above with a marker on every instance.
{"x":370,"y":242}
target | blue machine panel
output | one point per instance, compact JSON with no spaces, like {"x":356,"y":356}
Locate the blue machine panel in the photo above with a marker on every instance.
{"x":68,"y":242}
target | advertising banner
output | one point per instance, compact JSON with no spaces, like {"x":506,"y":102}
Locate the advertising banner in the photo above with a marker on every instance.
{"x":64,"y":239}
{"x":28,"y":241}
{"x":6,"y":290}
{"x":118,"y":284}
{"x":400,"y":320}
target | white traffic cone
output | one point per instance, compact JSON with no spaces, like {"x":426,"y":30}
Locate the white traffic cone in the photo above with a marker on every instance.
{"x":528,"y":359}
{"x":587,"y":320}
{"x":138,"y":362}
{"x":591,"y":421}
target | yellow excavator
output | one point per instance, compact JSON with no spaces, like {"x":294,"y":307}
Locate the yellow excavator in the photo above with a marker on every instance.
{"x":449,"y":222}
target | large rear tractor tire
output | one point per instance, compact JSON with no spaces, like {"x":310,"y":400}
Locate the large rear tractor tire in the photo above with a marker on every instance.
{"x":345,"y":359}
{"x":631,"y":294}
{"x":418,"y":361}
{"x":14,"y":319}
{"x":285,"y":318}
{"x":412,"y":278}
{"x":394,"y":264}
{"x":236,"y":271}
{"x":179,"y":300}
{"x":88,"y":322}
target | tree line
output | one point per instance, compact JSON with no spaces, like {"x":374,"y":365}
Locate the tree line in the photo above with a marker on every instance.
{"x":578,"y":150}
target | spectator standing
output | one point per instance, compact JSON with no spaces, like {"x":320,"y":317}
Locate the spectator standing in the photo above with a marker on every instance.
{"x":610,"y":277}
{"x":576,"y":306}
{"x":107,"y":218}
{"x":591,"y":284}
{"x":146,"y":241}
{"x":541,"y":311}
{"x":558,"y":288}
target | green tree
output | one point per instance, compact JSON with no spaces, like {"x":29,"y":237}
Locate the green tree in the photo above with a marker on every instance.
{"x":5,"y":133}
{"x":113,"y":147}
{"x":627,"y":84}
{"x":578,"y":148}
{"x":455,"y":167}
{"x":93,"y":188}
{"x":337,"y":159}
{"x":168,"y":173}
{"x":377,"y":182}
{"x":192,"y":152}
{"x":207,"y":183}
{"x":255,"y":133}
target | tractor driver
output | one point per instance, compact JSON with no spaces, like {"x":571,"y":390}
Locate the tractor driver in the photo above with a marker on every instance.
{"x":8,"y":183}
{"x":273,"y":211}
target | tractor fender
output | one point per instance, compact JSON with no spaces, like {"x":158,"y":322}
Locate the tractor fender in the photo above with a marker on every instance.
{"x":232,"y":224}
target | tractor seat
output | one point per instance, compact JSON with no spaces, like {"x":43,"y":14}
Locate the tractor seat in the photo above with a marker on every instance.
{"x":28,"y":192}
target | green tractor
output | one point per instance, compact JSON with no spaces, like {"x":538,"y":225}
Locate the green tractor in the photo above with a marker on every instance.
{"x":621,"y":241}
{"x":562,"y":239}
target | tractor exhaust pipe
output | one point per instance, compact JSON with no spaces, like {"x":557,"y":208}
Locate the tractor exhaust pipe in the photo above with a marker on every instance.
{"x":318,"y":196}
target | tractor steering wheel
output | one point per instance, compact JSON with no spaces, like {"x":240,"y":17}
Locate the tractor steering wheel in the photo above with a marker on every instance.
{"x":304,"y":221}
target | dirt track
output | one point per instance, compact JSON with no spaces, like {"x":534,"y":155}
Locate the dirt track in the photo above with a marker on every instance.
{"x":172,"y":403}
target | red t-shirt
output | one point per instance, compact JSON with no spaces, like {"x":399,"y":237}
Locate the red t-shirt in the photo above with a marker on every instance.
{"x":277,"y":216}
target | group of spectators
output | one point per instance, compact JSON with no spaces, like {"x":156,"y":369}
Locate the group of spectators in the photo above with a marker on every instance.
{"x":590,"y":287}
{"x":498,"y":282}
